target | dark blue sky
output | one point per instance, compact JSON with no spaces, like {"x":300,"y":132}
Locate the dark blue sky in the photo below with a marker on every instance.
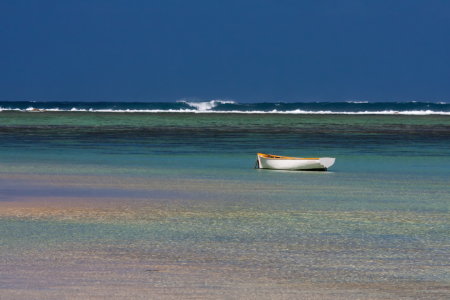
{"x":247,"y":51}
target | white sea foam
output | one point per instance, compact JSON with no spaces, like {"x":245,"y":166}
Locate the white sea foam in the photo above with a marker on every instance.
{"x":206,"y":106}
{"x":7,"y":109}
{"x":390,"y":112}
{"x":357,"y":101}
{"x":297,"y":111}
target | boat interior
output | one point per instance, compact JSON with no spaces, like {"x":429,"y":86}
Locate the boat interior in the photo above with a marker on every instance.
{"x":270,"y":156}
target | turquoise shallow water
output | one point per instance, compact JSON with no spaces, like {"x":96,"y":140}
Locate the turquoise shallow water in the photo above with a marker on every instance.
{"x":180,"y":189}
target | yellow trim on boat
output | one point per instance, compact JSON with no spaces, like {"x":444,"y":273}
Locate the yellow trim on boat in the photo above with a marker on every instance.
{"x":270,"y":156}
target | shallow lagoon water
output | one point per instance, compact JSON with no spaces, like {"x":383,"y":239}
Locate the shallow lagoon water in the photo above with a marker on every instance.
{"x":122,"y":205}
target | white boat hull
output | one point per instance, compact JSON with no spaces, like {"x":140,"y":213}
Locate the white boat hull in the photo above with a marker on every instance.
{"x":292,"y":163}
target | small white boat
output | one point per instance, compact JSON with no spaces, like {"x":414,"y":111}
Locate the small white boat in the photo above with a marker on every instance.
{"x":276,"y":162}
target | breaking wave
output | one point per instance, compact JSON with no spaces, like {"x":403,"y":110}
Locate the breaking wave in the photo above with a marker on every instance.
{"x":205,"y":106}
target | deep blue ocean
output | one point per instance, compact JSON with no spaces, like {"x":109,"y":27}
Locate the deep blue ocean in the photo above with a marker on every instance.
{"x":98,"y":194}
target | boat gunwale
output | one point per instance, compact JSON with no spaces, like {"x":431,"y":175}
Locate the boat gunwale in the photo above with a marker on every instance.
{"x":278,"y":157}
